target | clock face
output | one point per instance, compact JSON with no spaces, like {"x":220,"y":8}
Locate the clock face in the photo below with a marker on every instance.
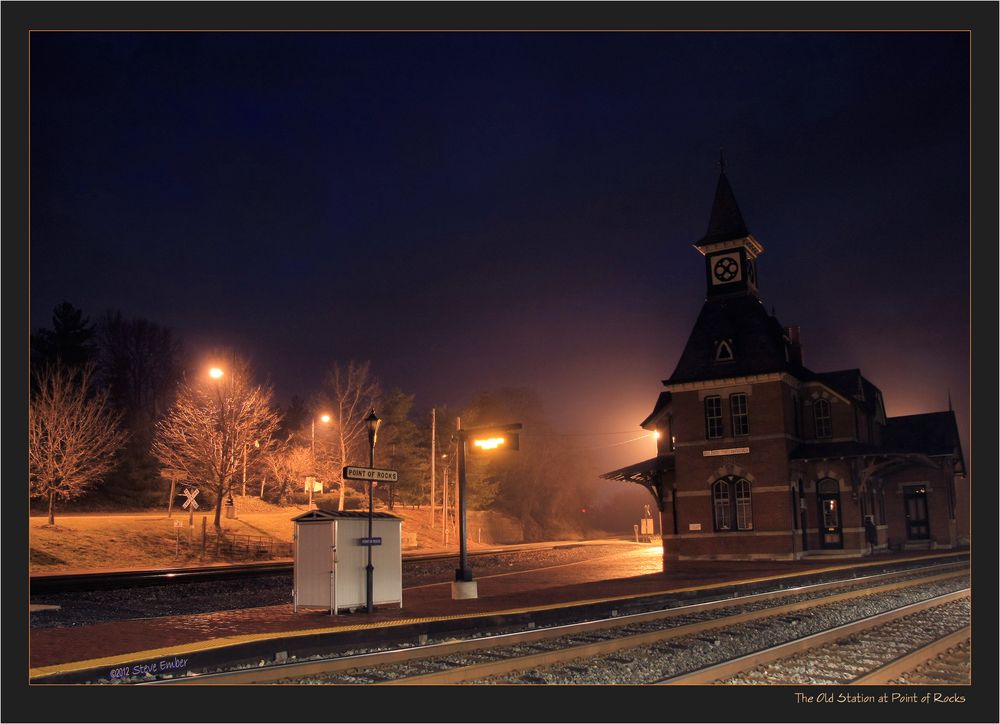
{"x":725,"y":269}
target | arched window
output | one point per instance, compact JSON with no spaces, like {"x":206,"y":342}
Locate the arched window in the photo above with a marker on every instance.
{"x":721,"y":505}
{"x":732,"y":506}
{"x":744,"y":506}
{"x":824,"y":423}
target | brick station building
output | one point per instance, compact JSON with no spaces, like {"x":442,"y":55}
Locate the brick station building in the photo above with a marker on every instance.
{"x":761,"y":457}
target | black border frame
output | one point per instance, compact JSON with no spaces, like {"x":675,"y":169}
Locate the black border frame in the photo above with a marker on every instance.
{"x":24,"y":703}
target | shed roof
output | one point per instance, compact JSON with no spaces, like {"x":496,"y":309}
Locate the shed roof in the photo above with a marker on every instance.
{"x":324,"y":514}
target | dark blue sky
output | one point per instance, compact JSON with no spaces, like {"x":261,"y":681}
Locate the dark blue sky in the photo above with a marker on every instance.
{"x":474,"y":210}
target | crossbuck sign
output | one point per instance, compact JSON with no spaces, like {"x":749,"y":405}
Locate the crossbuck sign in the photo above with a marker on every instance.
{"x":190,"y":494}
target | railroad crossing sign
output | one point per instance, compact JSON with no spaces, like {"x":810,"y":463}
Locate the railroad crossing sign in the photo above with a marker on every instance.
{"x":190,"y":503}
{"x":352,"y":472}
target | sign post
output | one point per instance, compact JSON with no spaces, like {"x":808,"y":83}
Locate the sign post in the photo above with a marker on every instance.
{"x":173,"y":474}
{"x":191,"y":504}
{"x":371,"y":474}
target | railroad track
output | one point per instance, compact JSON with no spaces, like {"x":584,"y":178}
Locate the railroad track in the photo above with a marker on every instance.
{"x":869,"y":651}
{"x":647,"y":647}
{"x":48,"y":584}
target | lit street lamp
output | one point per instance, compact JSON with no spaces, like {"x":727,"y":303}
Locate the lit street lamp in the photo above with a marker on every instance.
{"x":483,"y":438}
{"x":312,"y":449}
{"x":373,"y":422}
{"x":312,"y":446}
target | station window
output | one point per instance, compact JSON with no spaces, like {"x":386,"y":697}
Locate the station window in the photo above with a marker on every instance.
{"x":726,"y":515}
{"x":744,"y":507}
{"x":721,"y":505}
{"x":824,"y":423}
{"x":713,"y":417}
{"x":741,"y":418}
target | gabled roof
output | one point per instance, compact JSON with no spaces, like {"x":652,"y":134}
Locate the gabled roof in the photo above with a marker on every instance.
{"x":932,"y":433}
{"x":852,"y":385}
{"x":726,"y":221}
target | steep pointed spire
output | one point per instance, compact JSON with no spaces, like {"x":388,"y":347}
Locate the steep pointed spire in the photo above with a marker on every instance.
{"x":949,"y":401}
{"x":726,"y":221}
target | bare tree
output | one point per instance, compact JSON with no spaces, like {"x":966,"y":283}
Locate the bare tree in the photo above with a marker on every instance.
{"x":216,"y":428}
{"x":287,"y":464}
{"x":352,"y":391}
{"x":72,"y":437}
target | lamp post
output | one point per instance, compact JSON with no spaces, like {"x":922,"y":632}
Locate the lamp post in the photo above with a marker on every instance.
{"x":312,"y":443}
{"x":373,"y":421}
{"x":216,"y":374}
{"x":312,"y":450}
{"x":484,"y":438}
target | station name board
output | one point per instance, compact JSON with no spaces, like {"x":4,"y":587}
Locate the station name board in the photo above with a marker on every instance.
{"x":726,"y":451}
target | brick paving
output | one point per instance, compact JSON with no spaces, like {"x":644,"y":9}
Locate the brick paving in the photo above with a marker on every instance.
{"x":634,"y":571}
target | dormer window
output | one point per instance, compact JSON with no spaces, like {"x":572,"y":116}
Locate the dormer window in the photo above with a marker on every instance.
{"x":724,"y":350}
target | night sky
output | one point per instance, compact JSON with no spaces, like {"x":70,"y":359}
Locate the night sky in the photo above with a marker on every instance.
{"x":475,"y":210}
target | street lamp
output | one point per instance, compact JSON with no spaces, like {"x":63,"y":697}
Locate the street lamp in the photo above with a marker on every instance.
{"x":373,"y":421}
{"x":216,"y":374}
{"x":483,"y":438}
{"x":325,"y":419}
{"x":312,"y":449}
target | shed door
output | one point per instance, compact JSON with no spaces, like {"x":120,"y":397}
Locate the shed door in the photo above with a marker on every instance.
{"x":313,"y":564}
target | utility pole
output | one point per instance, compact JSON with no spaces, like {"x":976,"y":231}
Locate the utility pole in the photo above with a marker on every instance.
{"x":458,"y":461}
{"x":433,"y":457}
{"x":444,"y":506}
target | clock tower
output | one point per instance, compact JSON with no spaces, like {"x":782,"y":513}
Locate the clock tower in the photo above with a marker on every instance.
{"x":729,"y":249}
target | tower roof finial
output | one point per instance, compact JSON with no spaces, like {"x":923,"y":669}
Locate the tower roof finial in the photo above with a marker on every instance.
{"x":722,"y":159}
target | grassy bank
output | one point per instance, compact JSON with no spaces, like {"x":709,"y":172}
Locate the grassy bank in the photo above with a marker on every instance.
{"x":152,"y":540}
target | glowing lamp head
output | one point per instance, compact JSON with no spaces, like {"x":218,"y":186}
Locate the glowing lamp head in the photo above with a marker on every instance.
{"x":490,"y":443}
{"x":324,"y":418}
{"x":215,"y":373}
{"x":656,"y":434}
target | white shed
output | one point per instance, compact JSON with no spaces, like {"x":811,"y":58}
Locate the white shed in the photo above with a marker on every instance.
{"x":330,"y":559}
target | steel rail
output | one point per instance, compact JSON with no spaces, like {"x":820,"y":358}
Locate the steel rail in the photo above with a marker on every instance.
{"x":276,"y":672}
{"x":908,"y":662}
{"x":726,"y":669}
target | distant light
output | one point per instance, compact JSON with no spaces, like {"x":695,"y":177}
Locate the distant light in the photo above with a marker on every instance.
{"x":325,"y":418}
{"x":490,"y":443}
{"x":656,"y":434}
{"x":215,"y":373}
{"x":583,"y":510}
